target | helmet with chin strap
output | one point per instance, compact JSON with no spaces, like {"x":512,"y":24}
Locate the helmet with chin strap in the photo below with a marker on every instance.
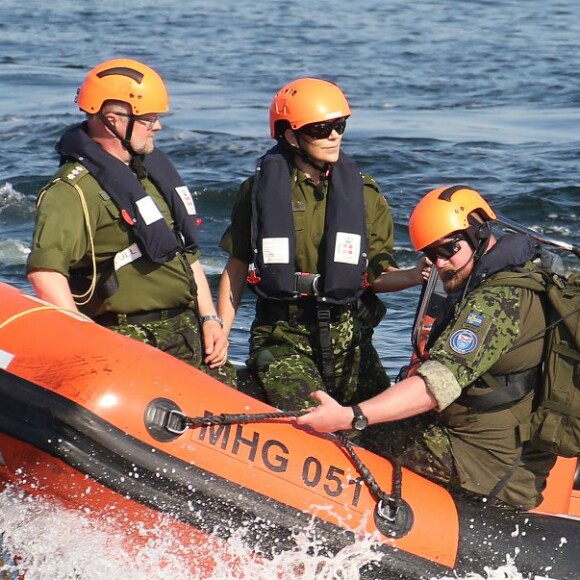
{"x":448,"y":210}
{"x":125,"y":80}
{"x":305,"y":101}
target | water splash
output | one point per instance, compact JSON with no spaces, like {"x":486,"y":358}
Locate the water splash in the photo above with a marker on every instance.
{"x":14,"y":204}
{"x":51,"y":541}
{"x":508,"y":571}
{"x":44,"y":540}
{"x":13,"y":252}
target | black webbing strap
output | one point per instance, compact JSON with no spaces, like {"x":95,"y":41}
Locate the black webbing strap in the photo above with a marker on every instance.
{"x":507,"y":476}
{"x":325,"y":337}
{"x":507,"y":389}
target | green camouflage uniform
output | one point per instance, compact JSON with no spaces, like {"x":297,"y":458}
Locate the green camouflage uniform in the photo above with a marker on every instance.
{"x":462,"y":447}
{"x":181,"y":337}
{"x":285,"y":354}
{"x":61,"y":243}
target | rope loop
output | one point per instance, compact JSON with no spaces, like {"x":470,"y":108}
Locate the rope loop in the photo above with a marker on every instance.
{"x":388,"y":504}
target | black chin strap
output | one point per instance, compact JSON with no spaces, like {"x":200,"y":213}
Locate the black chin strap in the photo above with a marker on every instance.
{"x":136,"y":163}
{"x":324,"y":168}
{"x":480,"y":247}
{"x":300,"y":151}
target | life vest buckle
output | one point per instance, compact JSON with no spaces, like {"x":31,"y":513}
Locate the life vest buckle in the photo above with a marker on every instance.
{"x":306,"y":284}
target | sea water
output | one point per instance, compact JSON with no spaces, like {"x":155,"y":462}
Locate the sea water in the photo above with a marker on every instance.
{"x":478,"y":92}
{"x":46,"y":541}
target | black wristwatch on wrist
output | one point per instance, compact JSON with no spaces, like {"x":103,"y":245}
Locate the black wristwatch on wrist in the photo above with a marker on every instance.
{"x":359,"y":421}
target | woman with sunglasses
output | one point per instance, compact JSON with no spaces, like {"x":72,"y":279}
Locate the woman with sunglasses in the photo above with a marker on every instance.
{"x":467,"y":409}
{"x":310,"y":234}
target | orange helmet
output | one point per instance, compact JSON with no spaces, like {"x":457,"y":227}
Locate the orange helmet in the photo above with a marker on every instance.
{"x":443,"y":211}
{"x":123,"y":80}
{"x":305,"y":101}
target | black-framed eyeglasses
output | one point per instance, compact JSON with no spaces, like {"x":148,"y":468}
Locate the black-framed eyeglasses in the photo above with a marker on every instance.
{"x":446,"y":250}
{"x":147,"y":121}
{"x":324,"y":129}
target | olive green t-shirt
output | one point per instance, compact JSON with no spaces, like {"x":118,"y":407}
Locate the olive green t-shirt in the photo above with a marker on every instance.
{"x":309,"y":219}
{"x":74,"y":214}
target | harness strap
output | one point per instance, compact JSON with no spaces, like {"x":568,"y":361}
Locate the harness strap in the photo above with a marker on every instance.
{"x":506,"y":389}
{"x":325,"y":336}
{"x":507,"y":476}
{"x":312,"y":313}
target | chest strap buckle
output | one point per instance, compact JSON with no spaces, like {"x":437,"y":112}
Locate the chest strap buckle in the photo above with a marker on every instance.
{"x":306,"y":284}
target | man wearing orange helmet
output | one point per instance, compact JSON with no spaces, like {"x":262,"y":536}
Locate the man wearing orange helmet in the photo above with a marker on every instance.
{"x":116,"y":227}
{"x":313,"y":233}
{"x":468,"y":408}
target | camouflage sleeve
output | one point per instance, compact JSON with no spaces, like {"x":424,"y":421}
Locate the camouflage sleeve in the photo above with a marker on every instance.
{"x":380,"y":229}
{"x":441,"y":382}
{"x":485,"y":328}
{"x":236,"y":240}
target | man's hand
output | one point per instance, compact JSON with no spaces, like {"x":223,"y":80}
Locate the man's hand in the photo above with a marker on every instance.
{"x":327,"y":417}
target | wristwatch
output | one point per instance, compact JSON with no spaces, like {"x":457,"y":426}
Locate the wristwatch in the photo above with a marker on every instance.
{"x":213,"y":317}
{"x":359,"y":421}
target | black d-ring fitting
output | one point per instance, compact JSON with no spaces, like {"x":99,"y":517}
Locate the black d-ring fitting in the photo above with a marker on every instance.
{"x":164,"y":420}
{"x":394,"y":519}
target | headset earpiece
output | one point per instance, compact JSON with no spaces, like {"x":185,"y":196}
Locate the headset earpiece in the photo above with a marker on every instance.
{"x":482,"y":232}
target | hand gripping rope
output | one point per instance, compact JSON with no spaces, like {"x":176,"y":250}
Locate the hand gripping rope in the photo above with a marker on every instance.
{"x":393,"y":515}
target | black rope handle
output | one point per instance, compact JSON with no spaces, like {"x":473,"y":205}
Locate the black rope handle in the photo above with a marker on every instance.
{"x":392,"y":500}
{"x":231,"y":419}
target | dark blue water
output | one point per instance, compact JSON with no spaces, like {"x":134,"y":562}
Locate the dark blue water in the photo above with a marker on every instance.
{"x":478,"y":92}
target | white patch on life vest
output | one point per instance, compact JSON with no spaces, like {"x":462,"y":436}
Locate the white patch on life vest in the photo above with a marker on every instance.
{"x":126,"y":256}
{"x":5,"y":359}
{"x":276,"y":250}
{"x":148,"y":210}
{"x":347,"y":248}
{"x":186,"y":198}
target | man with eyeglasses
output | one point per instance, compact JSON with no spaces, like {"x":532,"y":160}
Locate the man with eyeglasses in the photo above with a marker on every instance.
{"x":463,"y":417}
{"x":310,"y":234}
{"x":116,"y":227}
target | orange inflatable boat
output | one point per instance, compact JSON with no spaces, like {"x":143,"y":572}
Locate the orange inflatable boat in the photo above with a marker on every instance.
{"x":98,"y":421}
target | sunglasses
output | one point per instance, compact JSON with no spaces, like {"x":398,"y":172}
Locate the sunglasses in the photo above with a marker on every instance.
{"x":324,"y":130}
{"x":444,"y":251}
{"x":147,"y":121}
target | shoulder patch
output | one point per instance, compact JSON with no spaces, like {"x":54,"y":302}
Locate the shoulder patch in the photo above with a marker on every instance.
{"x":474,"y":319}
{"x":463,"y":341}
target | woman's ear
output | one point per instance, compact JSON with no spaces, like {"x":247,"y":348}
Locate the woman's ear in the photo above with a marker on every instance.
{"x":290,"y":138}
